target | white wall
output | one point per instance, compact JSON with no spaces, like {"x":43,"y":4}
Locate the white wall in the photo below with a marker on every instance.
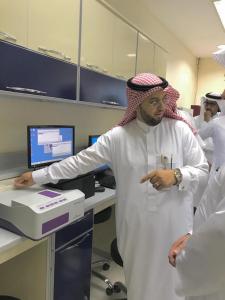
{"x":182,"y":64}
{"x":16,"y":113}
{"x":211,"y":78}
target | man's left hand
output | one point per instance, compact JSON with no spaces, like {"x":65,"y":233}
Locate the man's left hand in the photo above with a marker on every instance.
{"x":160,"y":178}
{"x":177,"y":247}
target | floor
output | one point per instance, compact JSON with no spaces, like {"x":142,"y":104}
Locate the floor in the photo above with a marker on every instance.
{"x":103,"y":235}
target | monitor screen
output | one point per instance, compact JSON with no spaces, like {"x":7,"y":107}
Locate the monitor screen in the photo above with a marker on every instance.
{"x":92,"y":139}
{"x":48,"y":144}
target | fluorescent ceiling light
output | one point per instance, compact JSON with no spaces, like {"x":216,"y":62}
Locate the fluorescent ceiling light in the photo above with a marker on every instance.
{"x":221,"y":46}
{"x":220,"y":7}
{"x":219,"y":56}
{"x":131,"y":55}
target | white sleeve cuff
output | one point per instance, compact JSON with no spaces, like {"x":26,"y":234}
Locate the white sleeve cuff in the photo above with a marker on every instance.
{"x":183,"y":186}
{"x":41,"y":176}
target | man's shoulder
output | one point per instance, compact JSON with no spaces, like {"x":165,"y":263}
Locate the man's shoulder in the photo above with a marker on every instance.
{"x":175,"y":123}
{"x":197,"y":117}
{"x":118,"y":130}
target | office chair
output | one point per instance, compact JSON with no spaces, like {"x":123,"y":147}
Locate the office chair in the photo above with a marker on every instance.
{"x":104,"y":262}
{"x":117,"y":259}
{"x":118,"y":286}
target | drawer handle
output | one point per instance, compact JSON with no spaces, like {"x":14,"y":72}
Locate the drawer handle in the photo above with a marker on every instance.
{"x":20,"y":89}
{"x":8,"y":36}
{"x":56,"y":52}
{"x":110,"y":103}
{"x":77,"y":244}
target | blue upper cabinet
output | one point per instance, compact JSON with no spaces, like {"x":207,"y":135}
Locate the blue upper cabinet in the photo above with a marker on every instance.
{"x":26,"y":71}
{"x":100,"y":88}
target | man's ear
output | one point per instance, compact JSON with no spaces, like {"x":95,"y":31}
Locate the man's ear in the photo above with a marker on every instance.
{"x":223,"y":94}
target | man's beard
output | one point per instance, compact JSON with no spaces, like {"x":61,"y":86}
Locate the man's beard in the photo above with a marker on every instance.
{"x":148,"y":119}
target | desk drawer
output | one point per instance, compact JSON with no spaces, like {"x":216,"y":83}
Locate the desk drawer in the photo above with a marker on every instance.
{"x":74,"y":230}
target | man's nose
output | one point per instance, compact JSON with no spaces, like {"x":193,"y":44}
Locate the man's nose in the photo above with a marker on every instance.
{"x":161,"y":104}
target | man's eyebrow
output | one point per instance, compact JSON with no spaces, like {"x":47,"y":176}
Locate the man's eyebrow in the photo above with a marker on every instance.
{"x":154,"y":98}
{"x":157,"y":98}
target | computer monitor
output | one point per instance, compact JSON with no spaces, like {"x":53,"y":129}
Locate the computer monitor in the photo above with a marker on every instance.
{"x":49,"y":143}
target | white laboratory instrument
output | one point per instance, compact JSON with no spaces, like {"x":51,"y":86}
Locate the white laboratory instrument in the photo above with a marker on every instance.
{"x":37,"y":214}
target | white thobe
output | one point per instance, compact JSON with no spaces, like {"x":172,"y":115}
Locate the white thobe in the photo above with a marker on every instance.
{"x":201,"y":265}
{"x":207,"y":144}
{"x":147,"y":220}
{"x":201,"y":187}
{"x":216,"y":130}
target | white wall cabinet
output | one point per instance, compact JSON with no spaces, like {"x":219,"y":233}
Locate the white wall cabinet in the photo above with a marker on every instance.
{"x":124,"y":49}
{"x":160,"y":61}
{"x":97,"y":32}
{"x":53,"y":28}
{"x":108,"y":43}
{"x":13,"y":21}
{"x":145,"y":55}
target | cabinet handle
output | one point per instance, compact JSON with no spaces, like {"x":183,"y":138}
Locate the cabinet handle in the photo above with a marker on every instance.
{"x":103,"y":70}
{"x":8,"y":36}
{"x":92,"y":66}
{"x":66,"y":57}
{"x":77,"y":244}
{"x":20,"y":89}
{"x":53,"y":51}
{"x":120,"y":76}
{"x":110,"y":102}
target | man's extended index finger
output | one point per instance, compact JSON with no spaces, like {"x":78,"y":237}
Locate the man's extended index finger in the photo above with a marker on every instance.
{"x":147,"y":177}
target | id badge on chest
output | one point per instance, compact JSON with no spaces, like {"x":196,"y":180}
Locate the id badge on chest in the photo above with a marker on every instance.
{"x":165,"y":161}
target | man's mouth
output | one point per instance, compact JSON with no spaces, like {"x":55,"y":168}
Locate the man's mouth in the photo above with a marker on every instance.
{"x":159,"y":114}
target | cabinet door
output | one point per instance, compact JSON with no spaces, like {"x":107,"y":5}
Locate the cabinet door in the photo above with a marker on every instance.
{"x":54,"y":27}
{"x":160,"y":61}
{"x":145,"y":55}
{"x":124,"y":49}
{"x":26,"y":71}
{"x":73,"y":270}
{"x":13,"y":21}
{"x":97,"y":32}
{"x":100,"y":88}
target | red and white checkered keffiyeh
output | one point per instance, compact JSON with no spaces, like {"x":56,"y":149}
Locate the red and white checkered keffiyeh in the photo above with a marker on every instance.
{"x":135,"y":98}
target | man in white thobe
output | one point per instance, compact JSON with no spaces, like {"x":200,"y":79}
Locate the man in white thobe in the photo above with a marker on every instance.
{"x":209,"y":111}
{"x":200,"y":258}
{"x":215,"y":129}
{"x":201,"y":187}
{"x":157,"y":164}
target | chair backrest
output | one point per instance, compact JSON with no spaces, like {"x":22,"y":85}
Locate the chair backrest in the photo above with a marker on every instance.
{"x":102,"y":216}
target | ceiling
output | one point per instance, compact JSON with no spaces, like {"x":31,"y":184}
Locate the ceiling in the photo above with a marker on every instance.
{"x":194,"y":22}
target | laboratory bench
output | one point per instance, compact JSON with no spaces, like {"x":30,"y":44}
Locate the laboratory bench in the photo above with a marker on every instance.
{"x":37,"y":270}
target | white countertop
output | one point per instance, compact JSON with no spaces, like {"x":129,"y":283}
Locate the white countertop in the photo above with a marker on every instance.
{"x":9,"y":240}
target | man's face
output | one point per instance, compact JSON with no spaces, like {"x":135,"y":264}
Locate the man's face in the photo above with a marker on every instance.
{"x":211,"y":106}
{"x":151,"y":110}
